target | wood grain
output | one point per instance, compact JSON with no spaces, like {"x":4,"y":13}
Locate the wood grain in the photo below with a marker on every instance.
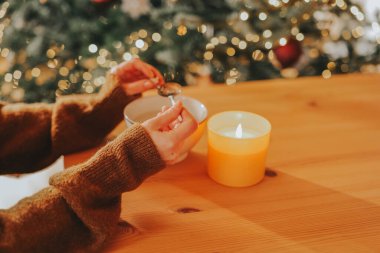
{"x":322,"y":193}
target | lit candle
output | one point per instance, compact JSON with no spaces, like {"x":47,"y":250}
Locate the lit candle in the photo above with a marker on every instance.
{"x":237,"y":148}
{"x":238,"y":132}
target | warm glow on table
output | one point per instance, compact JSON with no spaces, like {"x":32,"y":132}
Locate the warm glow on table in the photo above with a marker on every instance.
{"x":237,"y":147}
{"x":320,"y":194}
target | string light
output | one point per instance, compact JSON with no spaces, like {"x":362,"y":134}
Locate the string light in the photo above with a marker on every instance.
{"x":116,"y":44}
{"x":87,"y":76}
{"x":267,"y":33}
{"x":283,"y":41}
{"x":8,"y":77}
{"x":63,"y":71}
{"x":274,"y":3}
{"x":202,"y":28}
{"x":156,"y":37}
{"x":255,"y":38}
{"x":50,"y":53}
{"x":235,"y":41}
{"x":210,"y":46}
{"x":52,"y":63}
{"x":222,"y":39}
{"x":63,"y":84}
{"x":127,"y":56}
{"x":244,"y":15}
{"x":331,"y":65}
{"x":103,"y":52}
{"x":17,"y":74}
{"x":181,"y":30}
{"x":230,"y":51}
{"x":143,"y":33}
{"x":5,"y":52}
{"x":168,"y":25}
{"x":257,"y":55}
{"x":214,"y":41}
{"x":100,"y":60}
{"x":208,"y":55}
{"x":300,"y":37}
{"x":263,"y":16}
{"x":340,"y":3}
{"x":36,"y":72}
{"x":99,"y":81}
{"x":268,"y":45}
{"x":242,"y":44}
{"x":139,"y":43}
{"x":134,"y":51}
{"x":326,"y":74}
{"x":92,"y":48}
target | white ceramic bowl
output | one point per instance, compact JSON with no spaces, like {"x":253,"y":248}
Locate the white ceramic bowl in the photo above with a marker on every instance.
{"x":148,"y":107}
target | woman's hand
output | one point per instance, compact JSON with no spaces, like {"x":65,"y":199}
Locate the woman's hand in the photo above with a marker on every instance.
{"x":168,"y":133}
{"x":136,"y":76}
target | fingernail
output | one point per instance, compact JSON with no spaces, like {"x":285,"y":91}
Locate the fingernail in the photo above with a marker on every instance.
{"x":154,"y":80}
{"x":147,"y":84}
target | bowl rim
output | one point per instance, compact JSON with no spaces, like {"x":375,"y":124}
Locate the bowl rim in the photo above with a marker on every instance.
{"x":153,"y":96}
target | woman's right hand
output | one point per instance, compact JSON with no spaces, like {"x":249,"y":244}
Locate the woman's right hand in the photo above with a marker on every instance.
{"x":168,"y":133}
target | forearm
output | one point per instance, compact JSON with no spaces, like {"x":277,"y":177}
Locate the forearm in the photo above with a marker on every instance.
{"x":43,"y":223}
{"x":82,"y":207}
{"x":34,"y":135}
{"x":25,"y":141}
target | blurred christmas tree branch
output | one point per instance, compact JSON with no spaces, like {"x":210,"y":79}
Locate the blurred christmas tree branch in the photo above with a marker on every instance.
{"x":50,"y":48}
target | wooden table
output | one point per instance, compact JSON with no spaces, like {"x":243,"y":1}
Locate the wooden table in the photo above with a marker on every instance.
{"x":322,"y":193}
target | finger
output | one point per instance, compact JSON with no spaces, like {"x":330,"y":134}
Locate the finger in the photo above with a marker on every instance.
{"x":168,"y":116}
{"x":158,"y":75}
{"x":132,"y":70}
{"x":144,"y":68}
{"x":174,"y":124}
{"x":186,"y":127}
{"x":165,"y":128}
{"x":124,"y":67}
{"x":137,"y":86}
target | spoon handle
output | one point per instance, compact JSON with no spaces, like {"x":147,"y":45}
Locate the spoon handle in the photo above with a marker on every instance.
{"x":172,"y":101}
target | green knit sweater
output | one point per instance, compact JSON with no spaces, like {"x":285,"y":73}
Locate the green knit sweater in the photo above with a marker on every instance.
{"x":81,"y":208}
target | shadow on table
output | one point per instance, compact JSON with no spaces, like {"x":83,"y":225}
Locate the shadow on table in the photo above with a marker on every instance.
{"x":288,"y":206}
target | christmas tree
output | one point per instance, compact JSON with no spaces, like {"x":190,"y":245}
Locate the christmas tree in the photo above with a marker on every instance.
{"x":50,"y":47}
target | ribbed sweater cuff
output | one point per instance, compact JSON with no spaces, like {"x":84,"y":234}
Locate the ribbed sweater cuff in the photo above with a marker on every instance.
{"x":136,"y":158}
{"x":120,"y":166}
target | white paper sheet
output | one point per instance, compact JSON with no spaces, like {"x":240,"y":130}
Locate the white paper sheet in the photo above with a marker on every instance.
{"x":14,"y":189}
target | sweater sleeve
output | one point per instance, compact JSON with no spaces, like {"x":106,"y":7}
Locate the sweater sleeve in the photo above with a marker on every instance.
{"x":81,"y":208}
{"x":34,"y":135}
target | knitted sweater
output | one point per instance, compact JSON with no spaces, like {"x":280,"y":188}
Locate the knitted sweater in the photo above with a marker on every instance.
{"x":81,"y":208}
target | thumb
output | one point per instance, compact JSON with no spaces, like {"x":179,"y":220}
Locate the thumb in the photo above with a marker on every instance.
{"x":168,"y":116}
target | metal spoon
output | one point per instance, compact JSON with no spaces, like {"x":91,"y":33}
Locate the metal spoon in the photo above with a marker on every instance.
{"x":169,"y":90}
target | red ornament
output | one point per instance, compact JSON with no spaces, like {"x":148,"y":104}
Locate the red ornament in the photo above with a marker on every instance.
{"x":289,"y":53}
{"x":101,"y":1}
{"x":102,"y":5}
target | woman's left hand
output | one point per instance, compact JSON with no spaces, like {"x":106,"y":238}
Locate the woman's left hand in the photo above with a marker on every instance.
{"x":136,"y":76}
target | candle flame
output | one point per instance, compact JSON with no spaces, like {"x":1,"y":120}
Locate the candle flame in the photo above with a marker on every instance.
{"x":239,"y":131}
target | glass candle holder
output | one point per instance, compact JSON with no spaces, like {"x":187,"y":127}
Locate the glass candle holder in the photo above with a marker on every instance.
{"x":237,"y":147}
